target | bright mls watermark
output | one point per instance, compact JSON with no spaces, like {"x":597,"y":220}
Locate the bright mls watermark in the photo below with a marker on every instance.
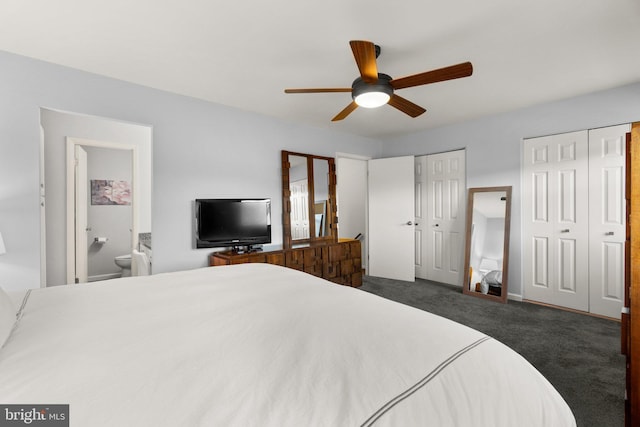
{"x":34,"y":415}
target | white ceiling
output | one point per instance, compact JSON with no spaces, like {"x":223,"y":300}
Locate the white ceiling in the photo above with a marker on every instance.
{"x":245,"y":53}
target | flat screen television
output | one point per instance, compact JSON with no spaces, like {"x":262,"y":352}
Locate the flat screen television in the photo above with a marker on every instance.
{"x":232,"y":222}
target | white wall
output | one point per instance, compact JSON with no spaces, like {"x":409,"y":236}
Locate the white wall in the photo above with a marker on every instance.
{"x":477,"y":239}
{"x":352,"y":198}
{"x":200,"y":149}
{"x":493,"y":145}
{"x":494,"y":239}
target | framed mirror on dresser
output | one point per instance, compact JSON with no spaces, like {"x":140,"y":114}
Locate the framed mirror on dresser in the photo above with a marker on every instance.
{"x":487,"y":243}
{"x":308,"y":199}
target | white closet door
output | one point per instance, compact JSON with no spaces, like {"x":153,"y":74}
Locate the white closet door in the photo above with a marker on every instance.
{"x":607,"y":219}
{"x":445,"y":217}
{"x":555,"y":220}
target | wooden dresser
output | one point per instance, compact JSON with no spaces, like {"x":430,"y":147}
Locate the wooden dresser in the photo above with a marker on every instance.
{"x":339,"y":262}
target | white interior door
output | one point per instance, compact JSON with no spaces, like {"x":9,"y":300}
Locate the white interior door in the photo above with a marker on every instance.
{"x":555,"y":220}
{"x":607,"y":219}
{"x":391,"y":218}
{"x":81,"y":214}
{"x":445,"y":217}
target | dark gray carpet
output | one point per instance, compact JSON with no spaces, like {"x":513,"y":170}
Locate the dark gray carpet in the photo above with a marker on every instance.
{"x":578,"y":354}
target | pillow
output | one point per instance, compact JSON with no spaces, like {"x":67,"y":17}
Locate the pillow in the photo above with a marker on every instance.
{"x":7,"y":316}
{"x":493,"y":278}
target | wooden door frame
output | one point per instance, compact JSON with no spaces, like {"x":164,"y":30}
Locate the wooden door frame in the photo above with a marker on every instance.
{"x":631,"y":325}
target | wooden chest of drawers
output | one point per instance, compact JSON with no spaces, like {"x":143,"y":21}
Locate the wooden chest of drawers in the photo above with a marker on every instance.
{"x":339,"y":262}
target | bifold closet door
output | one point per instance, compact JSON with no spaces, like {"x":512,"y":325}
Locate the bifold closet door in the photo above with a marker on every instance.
{"x":440,"y":213}
{"x":299,"y":210}
{"x":555,"y":220}
{"x":445,"y":224}
{"x":607,"y":219}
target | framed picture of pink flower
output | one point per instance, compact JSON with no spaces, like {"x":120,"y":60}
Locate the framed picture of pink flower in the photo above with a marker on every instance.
{"x":110,"y":192}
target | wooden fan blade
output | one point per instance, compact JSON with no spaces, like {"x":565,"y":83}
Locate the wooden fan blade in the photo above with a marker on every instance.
{"x":447,"y":73}
{"x":405,"y":106}
{"x":344,"y":113}
{"x":364,"y":53}
{"x":342,"y":89}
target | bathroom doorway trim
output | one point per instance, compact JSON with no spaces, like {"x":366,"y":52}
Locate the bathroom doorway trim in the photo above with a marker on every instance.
{"x":77,"y":259}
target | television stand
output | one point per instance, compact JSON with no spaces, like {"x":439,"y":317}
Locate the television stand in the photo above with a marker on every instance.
{"x":246,"y":249}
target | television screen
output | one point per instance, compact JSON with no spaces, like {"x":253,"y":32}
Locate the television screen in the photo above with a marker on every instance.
{"x":232,"y":222}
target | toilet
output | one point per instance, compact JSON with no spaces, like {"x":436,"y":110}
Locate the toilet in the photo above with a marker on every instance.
{"x":124,"y":262}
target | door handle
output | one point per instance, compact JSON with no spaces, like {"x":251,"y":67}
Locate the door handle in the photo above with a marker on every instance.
{"x":609,"y":233}
{"x":409,"y":223}
{"x":566,"y":230}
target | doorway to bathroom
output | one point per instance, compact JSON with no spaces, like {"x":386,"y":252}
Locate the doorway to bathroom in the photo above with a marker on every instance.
{"x":105,"y":141}
{"x":101,"y":183}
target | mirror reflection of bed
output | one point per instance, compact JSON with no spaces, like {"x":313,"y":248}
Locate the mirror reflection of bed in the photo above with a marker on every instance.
{"x":487,"y":241}
{"x":487,"y":278}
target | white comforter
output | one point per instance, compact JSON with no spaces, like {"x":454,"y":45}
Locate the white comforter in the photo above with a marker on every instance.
{"x":259,"y":345}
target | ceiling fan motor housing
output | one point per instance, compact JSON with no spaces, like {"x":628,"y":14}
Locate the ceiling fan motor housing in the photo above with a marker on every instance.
{"x":382,"y":85}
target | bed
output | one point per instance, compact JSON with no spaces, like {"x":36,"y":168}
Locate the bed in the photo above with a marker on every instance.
{"x":261,"y":345}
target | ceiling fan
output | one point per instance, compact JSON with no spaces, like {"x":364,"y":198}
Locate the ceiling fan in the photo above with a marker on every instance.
{"x":373,"y":89}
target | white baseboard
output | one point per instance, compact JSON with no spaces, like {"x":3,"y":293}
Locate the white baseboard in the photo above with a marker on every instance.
{"x":514,"y":297}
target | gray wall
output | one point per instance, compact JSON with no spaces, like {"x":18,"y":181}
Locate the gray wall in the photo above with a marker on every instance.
{"x":494,"y":145}
{"x":111,"y":221}
{"x":200,"y":149}
{"x":208,"y":150}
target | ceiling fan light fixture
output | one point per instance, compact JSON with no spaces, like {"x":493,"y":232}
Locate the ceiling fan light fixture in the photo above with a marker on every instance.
{"x":372,"y":95}
{"x":372,"y":99}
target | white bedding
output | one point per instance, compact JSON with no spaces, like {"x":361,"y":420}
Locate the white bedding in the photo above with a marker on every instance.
{"x":260,"y":345}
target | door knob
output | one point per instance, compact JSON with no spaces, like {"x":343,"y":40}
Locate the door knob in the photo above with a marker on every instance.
{"x":409,"y":223}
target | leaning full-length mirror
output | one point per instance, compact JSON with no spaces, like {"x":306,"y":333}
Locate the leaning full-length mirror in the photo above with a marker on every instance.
{"x":487,"y":242}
